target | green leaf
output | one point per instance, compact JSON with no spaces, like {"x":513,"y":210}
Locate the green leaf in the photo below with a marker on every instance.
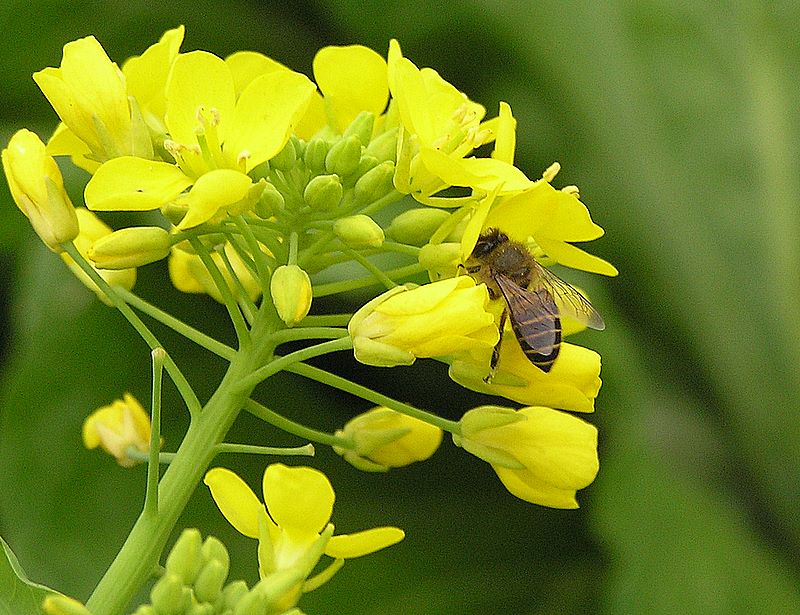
{"x":18,"y":594}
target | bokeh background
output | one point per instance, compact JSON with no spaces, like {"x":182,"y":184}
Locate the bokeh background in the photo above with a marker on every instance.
{"x":678,"y":120}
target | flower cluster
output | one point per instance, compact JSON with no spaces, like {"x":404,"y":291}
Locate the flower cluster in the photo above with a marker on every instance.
{"x":266,"y":190}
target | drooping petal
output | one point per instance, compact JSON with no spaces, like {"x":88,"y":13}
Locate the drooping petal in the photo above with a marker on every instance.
{"x":235,"y":499}
{"x":265,"y":116}
{"x":346,"y":546}
{"x":213,"y":191}
{"x":482,"y":173}
{"x":570,"y":256}
{"x":352,"y":79}
{"x":198,"y":81}
{"x":526,"y":486}
{"x":299,"y":499}
{"x":134,"y":184}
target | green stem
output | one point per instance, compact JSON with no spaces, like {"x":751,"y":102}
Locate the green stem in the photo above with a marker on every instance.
{"x":189,"y":332}
{"x":140,"y":553}
{"x":325,"y":320}
{"x":376,"y":271}
{"x":308,"y":333}
{"x":183,"y":386}
{"x":333,"y":288}
{"x":251,"y":449}
{"x":281,"y":363}
{"x":151,"y":494}
{"x":359,"y":390}
{"x":297,"y":429}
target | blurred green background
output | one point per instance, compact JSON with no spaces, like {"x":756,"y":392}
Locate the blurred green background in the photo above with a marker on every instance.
{"x":679,"y":122}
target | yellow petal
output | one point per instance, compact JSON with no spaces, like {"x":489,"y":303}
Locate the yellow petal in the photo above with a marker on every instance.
{"x":313,"y":120}
{"x":235,"y":499}
{"x":198,"y":81}
{"x":247,"y":65}
{"x":570,"y":256}
{"x":352,"y":79}
{"x":526,"y":486}
{"x":213,"y":191}
{"x":299,"y":499}
{"x":134,"y":184}
{"x":64,"y":142}
{"x":506,"y":136}
{"x":265,"y":116}
{"x":483,"y":173}
{"x":346,"y":546}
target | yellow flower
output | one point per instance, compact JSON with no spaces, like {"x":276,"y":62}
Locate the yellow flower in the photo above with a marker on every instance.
{"x":93,"y":229}
{"x":441,"y":128}
{"x":216,"y":138}
{"x":88,"y":92}
{"x":541,"y":455}
{"x":299,"y":503}
{"x":443,"y":319}
{"x":290,"y":288}
{"x":38,"y":189}
{"x":386,"y":439}
{"x":118,"y":427}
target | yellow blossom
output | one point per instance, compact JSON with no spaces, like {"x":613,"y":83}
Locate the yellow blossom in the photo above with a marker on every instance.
{"x":292,"y":521}
{"x":541,"y":455}
{"x":38,"y":189}
{"x":93,"y":229}
{"x":443,"y":319}
{"x":290,"y":289}
{"x":118,"y":427}
{"x":384,"y":439}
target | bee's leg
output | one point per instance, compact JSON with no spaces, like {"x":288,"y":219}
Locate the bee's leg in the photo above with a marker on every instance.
{"x":496,"y":350}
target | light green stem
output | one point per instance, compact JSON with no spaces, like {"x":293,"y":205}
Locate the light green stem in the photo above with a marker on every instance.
{"x":290,"y":426}
{"x":151,"y":494}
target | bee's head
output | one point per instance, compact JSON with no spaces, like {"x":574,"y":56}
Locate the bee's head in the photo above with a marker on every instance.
{"x":488,"y":241}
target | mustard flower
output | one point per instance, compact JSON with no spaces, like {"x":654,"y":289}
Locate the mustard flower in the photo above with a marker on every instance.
{"x":116,"y":428}
{"x":38,"y":189}
{"x":215,"y":136}
{"x":88,"y":92}
{"x":441,"y":128}
{"x":290,"y":289}
{"x":444,"y":319}
{"x":298,"y":502}
{"x":93,"y":229}
{"x":541,"y":455}
{"x":384,"y":439}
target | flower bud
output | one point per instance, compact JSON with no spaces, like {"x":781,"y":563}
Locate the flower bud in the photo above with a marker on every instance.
{"x":269,"y":202}
{"x":167,"y":595}
{"x":214,"y":550}
{"x":415,"y":226}
{"x":209,"y":582}
{"x":344,"y":156}
{"x":443,"y":319}
{"x":253,"y":603}
{"x":441,"y":258}
{"x":314,"y":156}
{"x":117,"y":427}
{"x":38,"y":189}
{"x":63,"y":605}
{"x":361,"y":127}
{"x":323,"y":192}
{"x":359,"y":231}
{"x":375,"y":183}
{"x":231,"y":595}
{"x":285,"y":159}
{"x":185,"y":559}
{"x":200,"y":609}
{"x":384,"y":439}
{"x":130,"y":247}
{"x":145,"y":609}
{"x":291,"y":292}
{"x":384,"y":146}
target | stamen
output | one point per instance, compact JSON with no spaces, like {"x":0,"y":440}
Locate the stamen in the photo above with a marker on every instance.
{"x":551,"y":172}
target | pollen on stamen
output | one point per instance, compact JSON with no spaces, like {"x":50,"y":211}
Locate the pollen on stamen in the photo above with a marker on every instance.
{"x":573,"y":190}
{"x":550,"y":173}
{"x":242,"y":158}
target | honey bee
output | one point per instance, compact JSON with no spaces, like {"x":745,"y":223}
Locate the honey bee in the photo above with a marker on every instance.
{"x":535,"y":298}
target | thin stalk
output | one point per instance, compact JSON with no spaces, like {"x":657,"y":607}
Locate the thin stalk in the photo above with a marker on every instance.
{"x":294,"y":428}
{"x":251,"y":449}
{"x":151,"y":493}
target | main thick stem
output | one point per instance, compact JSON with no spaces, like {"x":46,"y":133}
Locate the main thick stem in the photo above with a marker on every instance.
{"x":139,"y":556}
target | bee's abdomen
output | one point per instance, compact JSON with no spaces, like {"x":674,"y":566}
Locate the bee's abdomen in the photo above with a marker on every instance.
{"x":540,"y":339}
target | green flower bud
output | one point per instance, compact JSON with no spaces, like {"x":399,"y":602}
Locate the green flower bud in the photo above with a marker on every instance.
{"x":285,"y":159}
{"x":359,"y":231}
{"x":384,"y":146}
{"x":487,"y":417}
{"x":213,"y":549}
{"x":63,"y":605}
{"x":269,"y":202}
{"x":323,"y":192}
{"x":200,"y":609}
{"x":209,"y":582}
{"x":231,"y":595}
{"x":366,"y":164}
{"x":415,"y":226}
{"x":253,"y":603}
{"x":185,"y":559}
{"x":344,"y":156}
{"x":440,"y":257}
{"x":375,"y":183}
{"x":130,"y":247}
{"x":167,"y":595}
{"x":314,"y":156}
{"x":291,"y":292}
{"x":145,"y":609}
{"x":361,"y":127}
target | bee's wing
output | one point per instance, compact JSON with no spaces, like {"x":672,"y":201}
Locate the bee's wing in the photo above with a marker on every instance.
{"x":534,"y":319}
{"x":569,"y":300}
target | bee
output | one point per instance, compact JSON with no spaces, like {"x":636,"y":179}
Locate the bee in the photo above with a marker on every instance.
{"x":535,"y":298}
